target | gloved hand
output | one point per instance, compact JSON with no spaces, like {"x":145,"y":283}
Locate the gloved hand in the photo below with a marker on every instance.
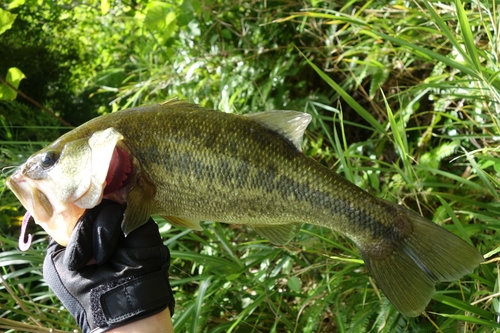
{"x":105,"y":279}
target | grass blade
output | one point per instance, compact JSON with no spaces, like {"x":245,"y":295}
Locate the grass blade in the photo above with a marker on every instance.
{"x":463,"y":306}
{"x":355,"y":105}
{"x":198,"y":306}
{"x":472,"y":56}
{"x":458,"y":224}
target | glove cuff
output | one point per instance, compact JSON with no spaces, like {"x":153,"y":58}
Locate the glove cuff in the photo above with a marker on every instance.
{"x":116,"y":303}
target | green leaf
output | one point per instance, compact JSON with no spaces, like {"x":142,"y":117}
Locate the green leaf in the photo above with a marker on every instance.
{"x":186,"y":12}
{"x":15,"y":4}
{"x":171,"y":25}
{"x":496,"y":166}
{"x":14,"y":77}
{"x":433,"y":158}
{"x":105,"y":7}
{"x":294,"y":284}
{"x":195,"y":5}
{"x":226,"y":33}
{"x":314,"y":3}
{"x":378,"y":79}
{"x":6,"y":20}
{"x":156,"y":16}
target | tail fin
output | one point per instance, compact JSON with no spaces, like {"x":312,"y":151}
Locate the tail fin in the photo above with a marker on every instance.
{"x":428,"y":255}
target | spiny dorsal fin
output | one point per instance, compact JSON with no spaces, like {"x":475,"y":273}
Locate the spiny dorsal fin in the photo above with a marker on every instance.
{"x":290,"y":124}
{"x":176,"y":102}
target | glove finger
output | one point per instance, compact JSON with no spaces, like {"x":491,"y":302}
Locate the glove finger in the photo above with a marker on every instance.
{"x":107,"y":231}
{"x":53,"y":247}
{"x":144,"y":248}
{"x":82,"y":245}
{"x":79,"y":250}
{"x":147,"y":235}
{"x":64,"y":283}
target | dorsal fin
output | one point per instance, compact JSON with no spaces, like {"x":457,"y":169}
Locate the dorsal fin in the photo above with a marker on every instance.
{"x":290,"y":124}
{"x":175,"y":102}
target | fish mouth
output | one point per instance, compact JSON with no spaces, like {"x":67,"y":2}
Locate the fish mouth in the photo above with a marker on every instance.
{"x":33,"y":200}
{"x":56,"y":218}
{"x":119,"y":172}
{"x":21,"y":192}
{"x":30,"y":197}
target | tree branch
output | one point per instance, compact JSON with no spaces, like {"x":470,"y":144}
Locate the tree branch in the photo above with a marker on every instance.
{"x":62,"y":121}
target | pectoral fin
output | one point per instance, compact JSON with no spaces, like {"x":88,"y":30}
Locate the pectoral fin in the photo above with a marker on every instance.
{"x":139,"y":208}
{"x":180,"y":222}
{"x":278,"y":234}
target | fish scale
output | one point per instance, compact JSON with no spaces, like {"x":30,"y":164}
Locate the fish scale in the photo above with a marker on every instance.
{"x":190,"y":164}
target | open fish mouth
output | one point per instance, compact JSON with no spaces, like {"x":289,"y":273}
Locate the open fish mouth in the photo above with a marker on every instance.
{"x":119,"y":172}
{"x":34,"y":201}
{"x":23,"y":191}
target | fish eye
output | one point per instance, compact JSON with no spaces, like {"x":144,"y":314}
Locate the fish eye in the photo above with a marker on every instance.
{"x":48,"y":159}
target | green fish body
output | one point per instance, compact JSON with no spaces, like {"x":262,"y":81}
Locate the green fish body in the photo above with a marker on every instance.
{"x":190,"y":164}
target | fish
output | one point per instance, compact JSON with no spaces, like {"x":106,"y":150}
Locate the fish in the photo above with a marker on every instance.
{"x":190,"y":164}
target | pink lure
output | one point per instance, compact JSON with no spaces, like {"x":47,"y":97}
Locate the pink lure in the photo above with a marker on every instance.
{"x":24,"y":246}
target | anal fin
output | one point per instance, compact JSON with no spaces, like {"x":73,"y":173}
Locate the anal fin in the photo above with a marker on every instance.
{"x":278,"y":234}
{"x":180,"y":222}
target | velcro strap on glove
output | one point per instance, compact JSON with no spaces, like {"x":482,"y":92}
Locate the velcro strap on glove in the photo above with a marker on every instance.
{"x":131,"y":298}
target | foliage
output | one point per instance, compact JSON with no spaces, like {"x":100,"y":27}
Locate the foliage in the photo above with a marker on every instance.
{"x":405,"y":102}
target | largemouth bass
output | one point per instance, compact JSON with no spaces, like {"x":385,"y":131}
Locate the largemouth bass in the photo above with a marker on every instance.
{"x":189,"y":164}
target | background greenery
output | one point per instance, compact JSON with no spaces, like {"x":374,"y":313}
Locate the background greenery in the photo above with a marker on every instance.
{"x":405,"y":103}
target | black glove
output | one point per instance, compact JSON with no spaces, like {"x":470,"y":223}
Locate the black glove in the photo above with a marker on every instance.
{"x":105,"y":279}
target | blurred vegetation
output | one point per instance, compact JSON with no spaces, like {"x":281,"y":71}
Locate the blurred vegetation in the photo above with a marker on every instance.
{"x":405,"y":100}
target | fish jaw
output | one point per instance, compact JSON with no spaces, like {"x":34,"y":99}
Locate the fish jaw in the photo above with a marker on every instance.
{"x":57,"y":196}
{"x":57,"y":218}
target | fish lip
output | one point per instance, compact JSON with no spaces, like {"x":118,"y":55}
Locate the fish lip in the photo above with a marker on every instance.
{"x":13,"y":183}
{"x":15,"y":177}
{"x":31,"y":197}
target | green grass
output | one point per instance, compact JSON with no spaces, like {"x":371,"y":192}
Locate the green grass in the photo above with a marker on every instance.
{"x":405,"y":106}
